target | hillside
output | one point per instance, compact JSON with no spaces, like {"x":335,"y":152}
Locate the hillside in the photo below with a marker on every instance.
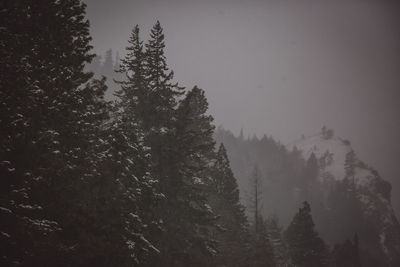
{"x":347,"y":196}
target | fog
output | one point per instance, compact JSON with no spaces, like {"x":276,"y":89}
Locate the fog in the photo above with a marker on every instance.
{"x":284,"y":68}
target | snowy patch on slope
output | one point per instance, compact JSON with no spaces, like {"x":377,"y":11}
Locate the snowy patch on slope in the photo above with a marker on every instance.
{"x":372,"y":191}
{"x":320,"y":146}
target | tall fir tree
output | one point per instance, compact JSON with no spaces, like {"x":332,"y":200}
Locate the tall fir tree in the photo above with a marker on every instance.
{"x":232,"y":233}
{"x":45,"y":46}
{"x":179,"y":135}
{"x":261,"y":251}
{"x":71,"y":194}
{"x":130,"y":114}
{"x":162,"y":92}
{"x":134,"y":94}
{"x":148,"y":96}
{"x":126,"y":194}
{"x":279,"y":247}
{"x":159,"y":120}
{"x":186,"y":215}
{"x":255,"y":196}
{"x":306,"y":248}
{"x":343,"y":202}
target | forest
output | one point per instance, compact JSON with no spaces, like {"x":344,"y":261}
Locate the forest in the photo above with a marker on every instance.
{"x":145,"y":178}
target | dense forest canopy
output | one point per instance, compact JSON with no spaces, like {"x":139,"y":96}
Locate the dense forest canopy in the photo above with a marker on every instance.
{"x":143,"y":178}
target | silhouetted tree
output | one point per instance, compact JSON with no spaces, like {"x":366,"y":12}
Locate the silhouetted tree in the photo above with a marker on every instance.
{"x":162,"y":92}
{"x":261,"y":251}
{"x":232,"y":235}
{"x":48,"y":118}
{"x":75,"y":182}
{"x":134,"y":94}
{"x":255,"y":196}
{"x":274,"y":231}
{"x":305,"y":246}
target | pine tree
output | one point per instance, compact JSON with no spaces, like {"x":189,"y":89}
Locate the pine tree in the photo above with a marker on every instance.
{"x":160,"y":116}
{"x":148,"y":94}
{"x":129,"y":121}
{"x":162,"y":92}
{"x":255,"y":196}
{"x":126,"y":194}
{"x":343,"y":202}
{"x":274,"y":231}
{"x":305,"y":246}
{"x":261,"y":251}
{"x":312,"y":186}
{"x":134,"y":94}
{"x":44,"y":50}
{"x":232,"y":233}
{"x":187,"y":217}
{"x":74,"y":185}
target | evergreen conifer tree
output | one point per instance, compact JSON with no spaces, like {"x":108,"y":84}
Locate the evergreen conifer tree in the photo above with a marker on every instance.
{"x":45,"y":114}
{"x":274,"y":231}
{"x":261,"y":251}
{"x":232,"y":235}
{"x":134,"y":94}
{"x":181,"y":145}
{"x":255,"y":196}
{"x":72,"y":185}
{"x":162,"y":92}
{"x":187,"y":217}
{"x":126,"y":194}
{"x":306,"y":248}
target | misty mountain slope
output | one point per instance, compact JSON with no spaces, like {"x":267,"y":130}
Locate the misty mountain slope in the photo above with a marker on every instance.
{"x":338,"y":160}
{"x":281,"y":171}
{"x":346,"y":195}
{"x":331,"y":151}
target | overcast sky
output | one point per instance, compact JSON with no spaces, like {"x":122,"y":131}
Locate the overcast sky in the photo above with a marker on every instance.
{"x":284,"y":68}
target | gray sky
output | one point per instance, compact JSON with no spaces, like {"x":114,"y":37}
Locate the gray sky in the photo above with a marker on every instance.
{"x":284,"y":68}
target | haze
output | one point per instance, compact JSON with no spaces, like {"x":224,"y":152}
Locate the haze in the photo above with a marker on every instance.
{"x":284,"y":68}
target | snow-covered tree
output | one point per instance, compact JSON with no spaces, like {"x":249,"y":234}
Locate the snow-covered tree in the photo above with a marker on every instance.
{"x":185,"y":212}
{"x":232,"y":232}
{"x":75,"y":183}
{"x":44,"y":48}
